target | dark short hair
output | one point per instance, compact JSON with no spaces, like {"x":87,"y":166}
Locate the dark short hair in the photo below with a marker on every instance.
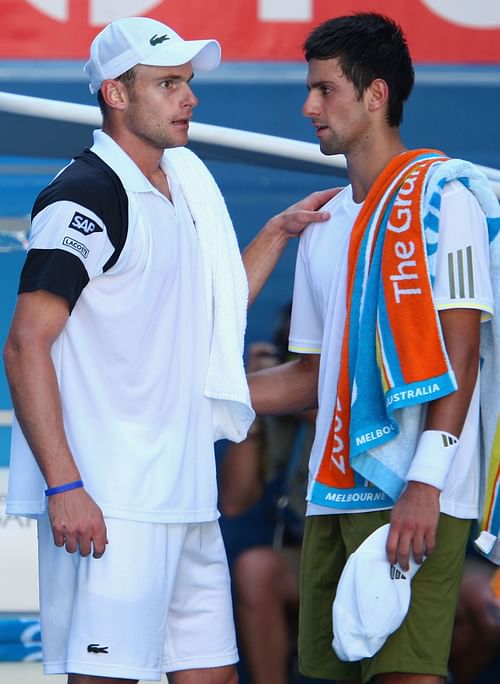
{"x":368,"y":46}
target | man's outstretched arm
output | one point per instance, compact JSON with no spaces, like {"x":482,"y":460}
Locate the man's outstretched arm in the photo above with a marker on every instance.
{"x":288,"y":388}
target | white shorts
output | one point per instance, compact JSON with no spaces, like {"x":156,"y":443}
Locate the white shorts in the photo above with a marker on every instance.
{"x":159,"y":600}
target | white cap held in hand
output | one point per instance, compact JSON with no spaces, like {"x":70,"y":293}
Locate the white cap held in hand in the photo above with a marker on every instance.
{"x":372,"y":599}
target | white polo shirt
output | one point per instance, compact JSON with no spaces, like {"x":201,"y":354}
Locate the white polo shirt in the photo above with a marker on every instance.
{"x":131,"y":361}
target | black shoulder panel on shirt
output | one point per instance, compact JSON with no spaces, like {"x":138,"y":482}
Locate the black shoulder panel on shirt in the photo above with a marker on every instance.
{"x":54,"y":270}
{"x":89,"y":181}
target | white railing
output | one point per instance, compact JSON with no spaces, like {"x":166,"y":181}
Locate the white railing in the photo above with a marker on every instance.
{"x":247,"y":145}
{"x":292,"y":153}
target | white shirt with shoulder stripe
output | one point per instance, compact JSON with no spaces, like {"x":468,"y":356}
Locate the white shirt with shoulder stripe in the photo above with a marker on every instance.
{"x":132,"y":360}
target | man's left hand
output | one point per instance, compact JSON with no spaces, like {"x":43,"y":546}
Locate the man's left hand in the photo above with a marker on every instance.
{"x":414,"y":521}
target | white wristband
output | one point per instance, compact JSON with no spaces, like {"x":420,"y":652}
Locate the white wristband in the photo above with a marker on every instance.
{"x":433,"y":457}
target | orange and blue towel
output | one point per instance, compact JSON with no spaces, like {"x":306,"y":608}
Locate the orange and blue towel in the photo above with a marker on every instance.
{"x":389,"y":368}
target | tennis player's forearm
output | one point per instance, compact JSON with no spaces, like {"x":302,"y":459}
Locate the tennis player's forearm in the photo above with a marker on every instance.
{"x":35,"y":397}
{"x":286,"y":389}
{"x":262,"y":255}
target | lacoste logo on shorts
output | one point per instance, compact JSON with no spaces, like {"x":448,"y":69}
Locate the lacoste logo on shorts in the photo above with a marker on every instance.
{"x":76,"y":246}
{"x":84,"y":224}
{"x":95,"y":648}
{"x":396,"y":574}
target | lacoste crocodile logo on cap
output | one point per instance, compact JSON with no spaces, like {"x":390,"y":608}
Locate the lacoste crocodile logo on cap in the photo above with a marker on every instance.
{"x":95,"y":648}
{"x":156,"y":39}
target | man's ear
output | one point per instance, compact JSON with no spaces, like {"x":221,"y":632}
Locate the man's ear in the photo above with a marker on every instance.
{"x":377,"y":94}
{"x":114,"y":93}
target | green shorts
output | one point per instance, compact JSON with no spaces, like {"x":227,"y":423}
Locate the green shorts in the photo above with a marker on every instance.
{"x":422,"y":644}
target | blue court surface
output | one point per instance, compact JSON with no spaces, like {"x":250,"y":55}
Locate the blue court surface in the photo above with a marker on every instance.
{"x":455,"y":109}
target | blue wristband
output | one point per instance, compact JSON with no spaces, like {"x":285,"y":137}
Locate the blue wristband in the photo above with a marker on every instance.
{"x":63,"y":488}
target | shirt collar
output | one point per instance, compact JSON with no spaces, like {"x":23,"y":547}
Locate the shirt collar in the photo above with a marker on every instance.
{"x":125,"y":168}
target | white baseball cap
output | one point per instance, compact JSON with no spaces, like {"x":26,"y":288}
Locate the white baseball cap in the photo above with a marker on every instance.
{"x":140,"y":40}
{"x":372,"y":599}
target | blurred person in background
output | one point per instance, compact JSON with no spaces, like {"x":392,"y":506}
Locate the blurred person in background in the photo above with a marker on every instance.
{"x":475,"y":647}
{"x":269,"y":468}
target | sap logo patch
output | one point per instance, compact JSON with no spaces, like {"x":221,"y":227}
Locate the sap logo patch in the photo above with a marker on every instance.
{"x":76,"y":246}
{"x":84,"y":225}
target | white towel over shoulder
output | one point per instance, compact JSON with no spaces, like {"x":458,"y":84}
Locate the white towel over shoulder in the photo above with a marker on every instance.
{"x":227,"y":296}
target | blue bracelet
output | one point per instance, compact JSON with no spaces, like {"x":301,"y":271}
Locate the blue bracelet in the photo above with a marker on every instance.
{"x":63,"y":488}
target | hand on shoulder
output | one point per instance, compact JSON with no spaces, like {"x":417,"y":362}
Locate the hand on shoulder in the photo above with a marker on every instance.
{"x":295,"y":218}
